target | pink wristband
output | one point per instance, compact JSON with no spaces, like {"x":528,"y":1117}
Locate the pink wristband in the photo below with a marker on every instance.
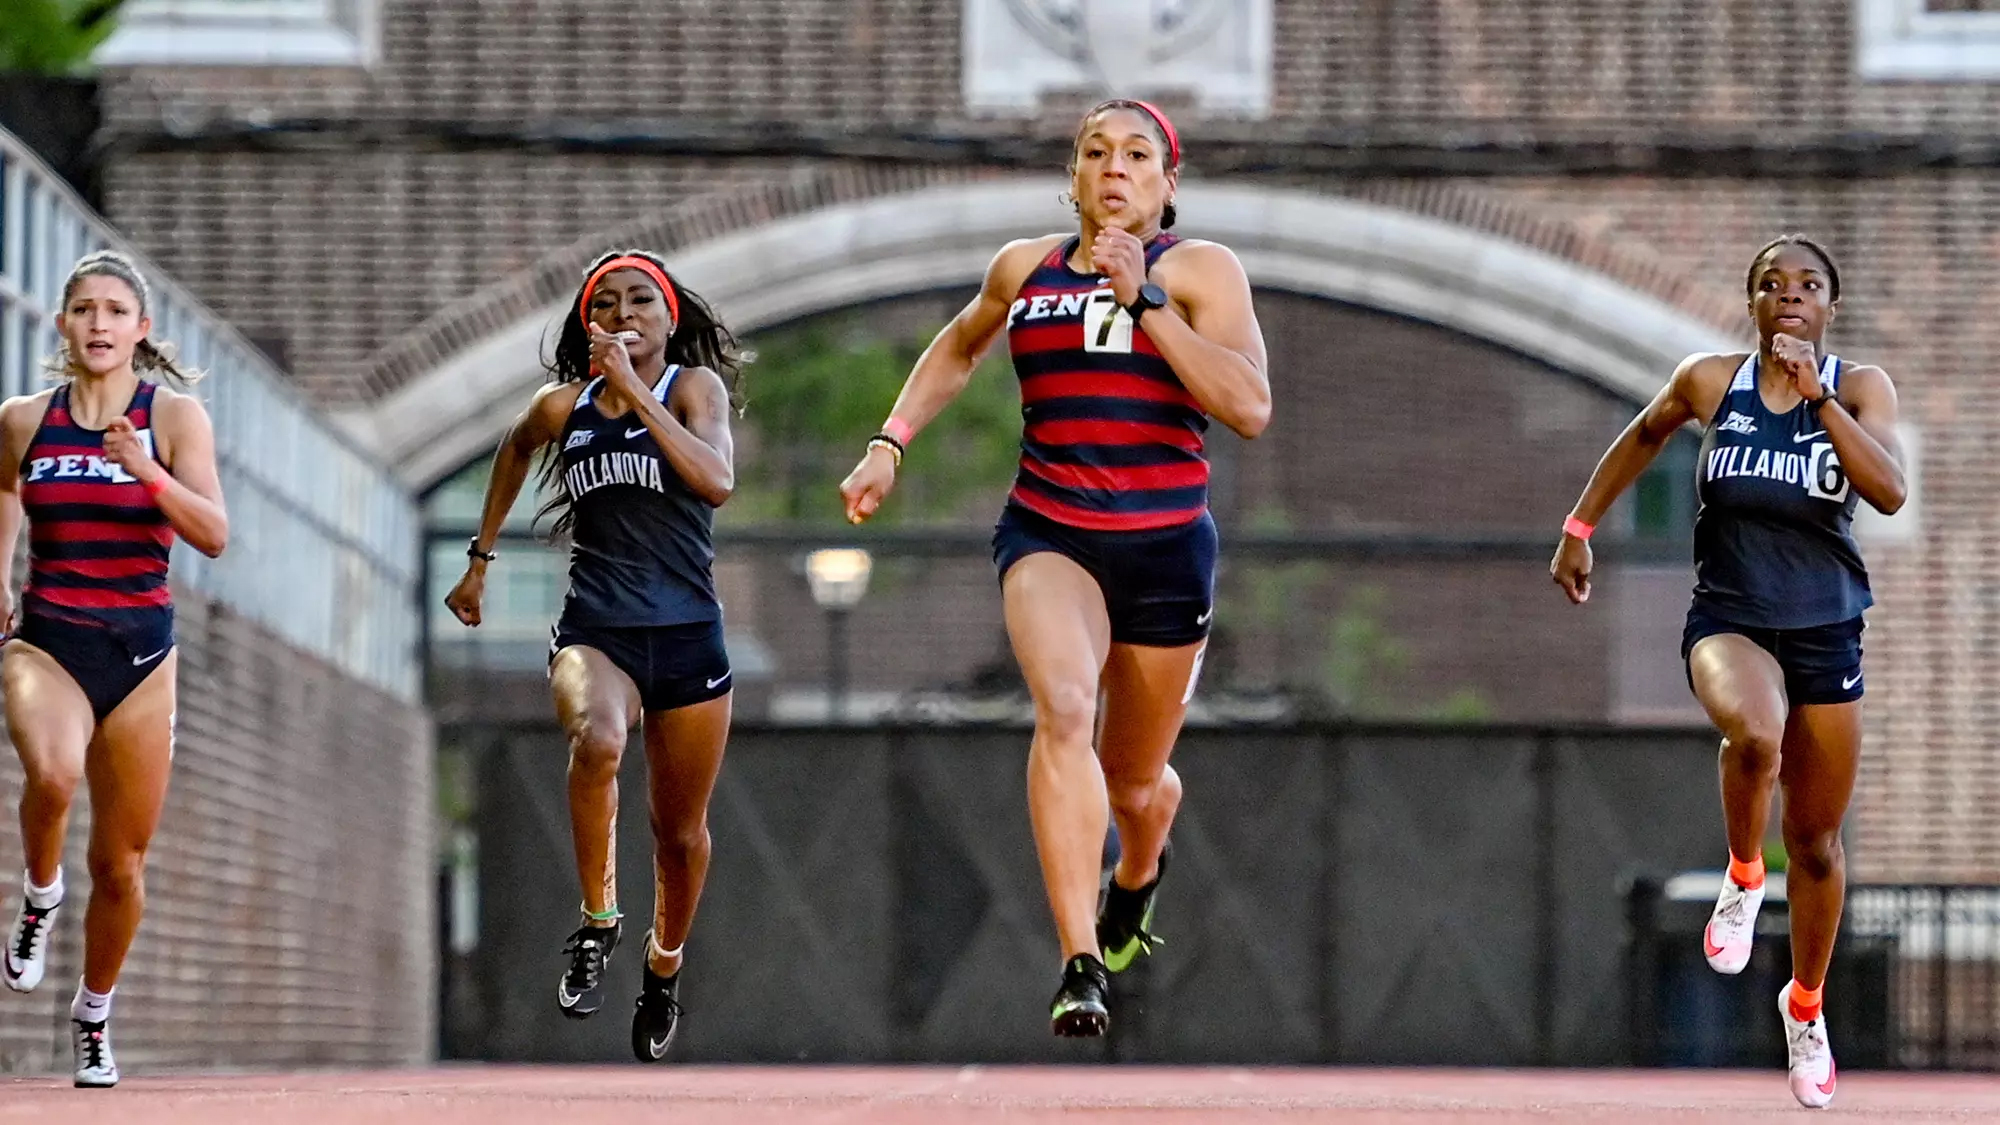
{"x":1578,"y":528}
{"x":900,"y":430}
{"x":155,"y":486}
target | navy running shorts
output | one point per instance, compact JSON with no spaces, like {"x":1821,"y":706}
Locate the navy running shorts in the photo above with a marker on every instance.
{"x":107,"y":664}
{"x":1159,"y":585}
{"x":1822,"y":664}
{"x":673,"y":666}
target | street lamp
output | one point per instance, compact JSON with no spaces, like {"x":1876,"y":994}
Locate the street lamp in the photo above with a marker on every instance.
{"x":838,"y":577}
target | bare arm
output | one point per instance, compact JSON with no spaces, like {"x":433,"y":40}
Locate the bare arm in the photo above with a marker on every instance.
{"x":189,"y":489}
{"x":1218,"y":351}
{"x":701,"y":449}
{"x":945,"y":368}
{"x":1678,"y":403}
{"x":942,"y":372}
{"x":1861,"y":424}
{"x":14,"y":436}
{"x":537,"y":426}
{"x":1641,"y":442}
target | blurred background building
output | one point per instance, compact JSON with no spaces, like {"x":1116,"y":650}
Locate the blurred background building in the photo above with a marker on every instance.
{"x":1482,"y":234}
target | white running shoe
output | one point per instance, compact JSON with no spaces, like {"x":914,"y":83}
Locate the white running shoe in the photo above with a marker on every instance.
{"x":1813,"y":1071}
{"x":26,"y":955}
{"x":94,"y":1064}
{"x":1732,"y":929}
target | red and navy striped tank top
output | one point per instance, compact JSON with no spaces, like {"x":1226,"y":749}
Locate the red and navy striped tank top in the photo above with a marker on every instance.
{"x":1110,"y":439}
{"x":97,"y":543}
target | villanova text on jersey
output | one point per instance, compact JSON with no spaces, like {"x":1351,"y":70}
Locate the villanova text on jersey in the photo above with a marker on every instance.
{"x":642,"y":547}
{"x":1774,"y":544}
{"x":1110,"y":438}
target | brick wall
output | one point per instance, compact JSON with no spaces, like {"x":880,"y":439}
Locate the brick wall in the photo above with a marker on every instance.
{"x":290,"y":916}
{"x":1543,"y":67}
{"x":339,"y":247}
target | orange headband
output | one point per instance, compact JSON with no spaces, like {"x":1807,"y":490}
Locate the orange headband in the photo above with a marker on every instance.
{"x":630,"y":262}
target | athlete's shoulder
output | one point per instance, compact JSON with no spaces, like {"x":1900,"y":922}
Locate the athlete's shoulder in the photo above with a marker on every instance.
{"x":1200,"y":249}
{"x":26,"y":410}
{"x":1710,"y":367}
{"x":556,"y":399}
{"x":1020,"y":258}
{"x":171,"y":406}
{"x":1852,"y":373}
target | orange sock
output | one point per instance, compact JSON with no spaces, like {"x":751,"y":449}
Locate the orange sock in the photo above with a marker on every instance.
{"x":1804,"y":1002}
{"x":1749,"y":875}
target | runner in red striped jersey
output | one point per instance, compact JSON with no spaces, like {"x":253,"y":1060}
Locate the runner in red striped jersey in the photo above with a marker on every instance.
{"x":107,"y":468}
{"x":1127,"y":340}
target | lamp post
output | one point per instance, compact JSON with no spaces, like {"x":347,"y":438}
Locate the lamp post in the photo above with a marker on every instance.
{"x":838,"y":578}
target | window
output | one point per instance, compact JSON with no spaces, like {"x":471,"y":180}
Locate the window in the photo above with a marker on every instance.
{"x":245,"y":33}
{"x":1939,"y":40}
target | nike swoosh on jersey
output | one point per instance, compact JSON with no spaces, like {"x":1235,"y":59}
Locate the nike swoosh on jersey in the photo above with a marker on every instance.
{"x":636,"y":433}
{"x":1797,"y":438}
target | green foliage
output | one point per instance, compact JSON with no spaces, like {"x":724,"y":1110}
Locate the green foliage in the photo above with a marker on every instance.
{"x":53,"y":37}
{"x":1362,"y":656}
{"x":819,"y":389}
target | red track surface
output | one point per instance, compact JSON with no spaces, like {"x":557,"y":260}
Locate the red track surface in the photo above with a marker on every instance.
{"x":495,"y":1095}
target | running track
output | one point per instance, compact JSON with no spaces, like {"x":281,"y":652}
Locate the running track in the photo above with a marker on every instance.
{"x":505,"y":1095}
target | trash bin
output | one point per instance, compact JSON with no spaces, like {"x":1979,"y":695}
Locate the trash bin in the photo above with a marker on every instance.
{"x":1680,"y":1012}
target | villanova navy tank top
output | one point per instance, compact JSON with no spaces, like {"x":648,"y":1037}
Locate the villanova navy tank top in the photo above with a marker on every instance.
{"x":1110,"y":438}
{"x":1773,"y":540}
{"x":643,"y":547}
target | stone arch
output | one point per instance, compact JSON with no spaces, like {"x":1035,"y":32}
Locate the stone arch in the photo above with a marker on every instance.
{"x":1442,"y":253}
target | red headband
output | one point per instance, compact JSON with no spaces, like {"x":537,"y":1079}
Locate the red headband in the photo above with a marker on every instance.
{"x":1167,"y":127}
{"x":631,"y":262}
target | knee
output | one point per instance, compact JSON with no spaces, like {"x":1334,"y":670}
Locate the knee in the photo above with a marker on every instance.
{"x":682,"y":841}
{"x":1813,"y":852}
{"x":595,"y":749}
{"x":117,"y":874}
{"x":1752,"y":746}
{"x":1066,"y":713}
{"x":52,"y":784}
{"x":1134,"y":797}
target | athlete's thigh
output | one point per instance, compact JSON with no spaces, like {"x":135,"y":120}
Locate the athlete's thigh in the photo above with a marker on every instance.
{"x":684,"y":749}
{"x":588,"y":688}
{"x":1821,"y":758}
{"x":48,"y":717}
{"x":1146,"y":695}
{"x":132,"y":759}
{"x":1058,"y":625}
{"x":1740,"y":685}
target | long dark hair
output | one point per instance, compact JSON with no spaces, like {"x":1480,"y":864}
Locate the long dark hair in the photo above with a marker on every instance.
{"x":699,"y":339}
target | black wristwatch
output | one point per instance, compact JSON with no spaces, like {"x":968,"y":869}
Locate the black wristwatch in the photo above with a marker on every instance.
{"x":472,"y":551}
{"x":1150,"y":296}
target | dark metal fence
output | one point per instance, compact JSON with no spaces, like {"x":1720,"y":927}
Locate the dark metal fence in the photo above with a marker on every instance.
{"x":1359,"y":894}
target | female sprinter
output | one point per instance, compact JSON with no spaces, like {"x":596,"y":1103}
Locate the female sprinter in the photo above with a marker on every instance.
{"x":1793,"y":438}
{"x":107,"y":468}
{"x":1126,"y":340}
{"x":636,"y":424}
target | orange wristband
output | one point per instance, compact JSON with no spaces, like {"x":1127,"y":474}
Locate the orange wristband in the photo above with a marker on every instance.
{"x":900,"y":430}
{"x":1578,"y":528}
{"x":155,"y":486}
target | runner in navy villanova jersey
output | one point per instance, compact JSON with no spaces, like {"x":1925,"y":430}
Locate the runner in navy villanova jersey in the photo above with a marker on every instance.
{"x":1793,"y":438}
{"x":636,"y":425}
{"x":1126,"y":341}
{"x":107,"y":467}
